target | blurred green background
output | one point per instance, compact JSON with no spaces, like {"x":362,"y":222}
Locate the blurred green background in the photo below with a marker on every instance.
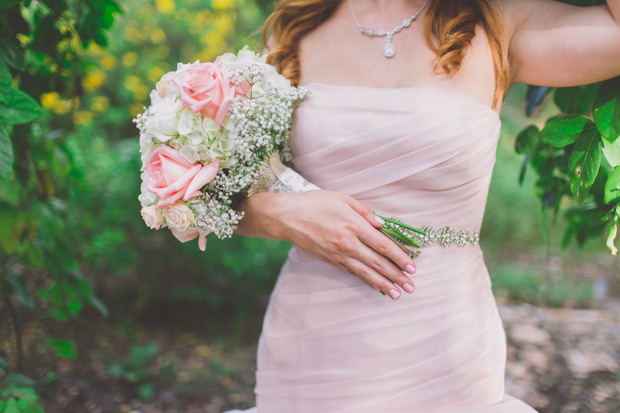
{"x":99,"y":309}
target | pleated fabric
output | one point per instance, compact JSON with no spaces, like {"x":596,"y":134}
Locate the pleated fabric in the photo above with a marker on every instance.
{"x":332,"y":344}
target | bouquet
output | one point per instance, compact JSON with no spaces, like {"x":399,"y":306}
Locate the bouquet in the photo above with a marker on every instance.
{"x":214,"y":133}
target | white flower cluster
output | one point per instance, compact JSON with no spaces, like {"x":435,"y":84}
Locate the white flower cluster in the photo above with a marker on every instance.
{"x":257,"y":123}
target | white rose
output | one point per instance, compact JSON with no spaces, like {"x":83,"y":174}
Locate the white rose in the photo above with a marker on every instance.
{"x":153,"y":217}
{"x":178,"y":216}
{"x":146,"y":197}
{"x":162,"y":121}
{"x":162,"y":86}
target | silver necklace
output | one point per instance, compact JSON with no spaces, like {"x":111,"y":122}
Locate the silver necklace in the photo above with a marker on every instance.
{"x":388,"y":49}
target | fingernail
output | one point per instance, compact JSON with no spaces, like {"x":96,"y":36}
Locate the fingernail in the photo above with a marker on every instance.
{"x":374,"y":287}
{"x":379,"y":220}
{"x":394,"y":294}
{"x":408,"y":287}
{"x":410,"y":269}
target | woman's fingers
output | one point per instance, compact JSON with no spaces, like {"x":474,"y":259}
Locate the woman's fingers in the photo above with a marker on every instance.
{"x":387,"y":248}
{"x":387,"y":269}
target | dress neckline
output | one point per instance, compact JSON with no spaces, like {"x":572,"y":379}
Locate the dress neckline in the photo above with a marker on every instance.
{"x":457,"y":93}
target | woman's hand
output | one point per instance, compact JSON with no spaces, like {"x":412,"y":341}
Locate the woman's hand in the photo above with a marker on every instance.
{"x":335,"y":228}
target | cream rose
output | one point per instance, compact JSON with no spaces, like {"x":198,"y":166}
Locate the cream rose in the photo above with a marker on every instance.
{"x":178,"y":216}
{"x":152,"y":216}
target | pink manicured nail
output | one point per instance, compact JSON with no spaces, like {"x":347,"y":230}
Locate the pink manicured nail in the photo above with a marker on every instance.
{"x":410,"y":269}
{"x":394,"y":294}
{"x":379,"y":220}
{"x":408,"y":287}
{"x":374,"y":287}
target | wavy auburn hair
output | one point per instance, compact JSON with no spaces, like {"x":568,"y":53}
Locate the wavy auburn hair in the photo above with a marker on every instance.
{"x":449,"y":27}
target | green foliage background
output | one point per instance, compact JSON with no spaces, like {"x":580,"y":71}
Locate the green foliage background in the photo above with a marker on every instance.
{"x":72,"y":243}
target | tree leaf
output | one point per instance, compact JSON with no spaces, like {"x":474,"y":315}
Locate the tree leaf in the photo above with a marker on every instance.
{"x":526,"y":139}
{"x":612,"y":187}
{"x":564,"y":130}
{"x":6,"y":82}
{"x":612,"y":152}
{"x":12,"y":54}
{"x":19,"y":108}
{"x":65,"y":349}
{"x":584,"y":163}
{"x":11,"y":406}
{"x":6,"y":4}
{"x":578,"y":99}
{"x":607,"y":109}
{"x":6,"y":154}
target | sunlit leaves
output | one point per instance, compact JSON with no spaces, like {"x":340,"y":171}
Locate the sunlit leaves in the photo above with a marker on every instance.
{"x":607,"y":109}
{"x":584,"y":163}
{"x":564,"y":130}
{"x":611,"y":151}
{"x":612,"y":187}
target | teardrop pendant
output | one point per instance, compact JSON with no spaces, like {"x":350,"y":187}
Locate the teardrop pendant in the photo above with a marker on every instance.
{"x":389,"y":50}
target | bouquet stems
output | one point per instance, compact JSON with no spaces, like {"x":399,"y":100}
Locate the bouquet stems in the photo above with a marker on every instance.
{"x":402,"y":235}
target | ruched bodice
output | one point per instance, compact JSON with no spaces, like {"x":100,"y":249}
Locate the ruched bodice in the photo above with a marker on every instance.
{"x":332,"y":344}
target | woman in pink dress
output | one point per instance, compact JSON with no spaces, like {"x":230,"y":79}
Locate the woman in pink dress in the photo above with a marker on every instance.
{"x":403,"y":120}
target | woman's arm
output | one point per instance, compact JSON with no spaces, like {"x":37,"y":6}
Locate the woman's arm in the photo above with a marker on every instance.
{"x":333,"y":227}
{"x":556,"y":44}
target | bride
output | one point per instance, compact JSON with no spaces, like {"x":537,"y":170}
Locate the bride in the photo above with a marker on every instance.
{"x":403,"y":120}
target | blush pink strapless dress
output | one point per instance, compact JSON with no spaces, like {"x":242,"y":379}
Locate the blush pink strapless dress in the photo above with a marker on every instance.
{"x":332,"y":344}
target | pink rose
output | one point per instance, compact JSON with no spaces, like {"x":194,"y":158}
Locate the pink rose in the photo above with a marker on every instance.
{"x":206,"y":88}
{"x":189,"y":235}
{"x":171,"y":177}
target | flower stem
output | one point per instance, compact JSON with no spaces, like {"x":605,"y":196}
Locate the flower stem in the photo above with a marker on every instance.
{"x":401,"y":224}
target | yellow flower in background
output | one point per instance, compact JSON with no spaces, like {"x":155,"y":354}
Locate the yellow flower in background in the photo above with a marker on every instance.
{"x":154,"y":74}
{"x":164,"y":6}
{"x":135,"y":85}
{"x":129,"y":59}
{"x":108,"y":62}
{"x":94,"y":79}
{"x":135,"y":35}
{"x":54,"y":102}
{"x":183,"y":15}
{"x":83,"y":118}
{"x":158,"y":36}
{"x":223,"y":4}
{"x":23,"y":39}
{"x":95,"y":50}
{"x":223,"y":23}
{"x":99,"y":104}
{"x":49,"y":100}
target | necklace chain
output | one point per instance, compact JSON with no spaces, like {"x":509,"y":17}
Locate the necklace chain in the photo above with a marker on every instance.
{"x":388,"y":49}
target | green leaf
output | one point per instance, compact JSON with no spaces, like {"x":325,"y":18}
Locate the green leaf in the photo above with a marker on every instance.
{"x":12,"y":54}
{"x":612,"y":187}
{"x":612,"y":152}
{"x":5,"y":4}
{"x":11,"y":406}
{"x":607,"y":109}
{"x":578,"y":99}
{"x":20,"y":289}
{"x":564,"y":130}
{"x":6,"y":154}
{"x":526,"y":139}
{"x":19,"y":108}
{"x":4,"y":365}
{"x":584,"y":163}
{"x":6,"y":82}
{"x":30,"y":406}
{"x":65,"y":349}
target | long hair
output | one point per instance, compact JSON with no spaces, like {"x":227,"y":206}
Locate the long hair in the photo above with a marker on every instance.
{"x":449,"y":27}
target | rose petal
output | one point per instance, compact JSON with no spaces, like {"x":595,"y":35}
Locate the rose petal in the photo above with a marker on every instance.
{"x":203,"y":177}
{"x":185,"y":236}
{"x":180,"y":183}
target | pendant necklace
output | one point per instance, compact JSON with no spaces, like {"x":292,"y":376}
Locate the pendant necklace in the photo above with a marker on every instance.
{"x":388,"y":49}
